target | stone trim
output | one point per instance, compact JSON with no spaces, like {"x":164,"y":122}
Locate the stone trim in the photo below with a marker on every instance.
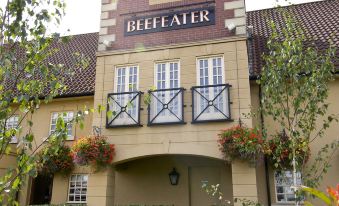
{"x":110,"y":38}
{"x":108,"y":22}
{"x":239,"y":21}
{"x":154,"y":2}
{"x":108,"y":7}
{"x":239,"y":12}
{"x":234,"y":5}
{"x":103,"y":31}
{"x":104,"y":15}
{"x":196,"y":43}
{"x":240,"y":30}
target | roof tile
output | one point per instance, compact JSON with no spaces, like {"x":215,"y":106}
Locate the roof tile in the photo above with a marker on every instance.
{"x":319,"y":20}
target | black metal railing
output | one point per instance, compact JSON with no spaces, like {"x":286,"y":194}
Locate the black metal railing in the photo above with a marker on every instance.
{"x":211,"y":103}
{"x":123,"y":109}
{"x":166,"y":106}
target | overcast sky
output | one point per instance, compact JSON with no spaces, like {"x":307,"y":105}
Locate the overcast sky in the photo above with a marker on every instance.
{"x":83,"y":16}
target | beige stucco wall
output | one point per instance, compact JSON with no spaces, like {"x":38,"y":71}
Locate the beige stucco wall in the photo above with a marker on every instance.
{"x":332,"y":177}
{"x":42,"y":118}
{"x":193,"y":139}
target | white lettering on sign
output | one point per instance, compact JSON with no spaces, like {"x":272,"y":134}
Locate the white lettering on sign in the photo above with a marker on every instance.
{"x":176,"y":20}
{"x":148,"y":23}
{"x":194,"y":17}
{"x":184,"y":18}
{"x":130,"y":26}
{"x":168,"y":21}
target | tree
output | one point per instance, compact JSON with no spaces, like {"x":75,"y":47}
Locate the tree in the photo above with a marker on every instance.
{"x":294,"y":84}
{"x":27,"y":80}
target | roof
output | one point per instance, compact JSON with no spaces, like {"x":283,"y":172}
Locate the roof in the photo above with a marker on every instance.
{"x":79,"y":81}
{"x":83,"y":81}
{"x":318,"y":20}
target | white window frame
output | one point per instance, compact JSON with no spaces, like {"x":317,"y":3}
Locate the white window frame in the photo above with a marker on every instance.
{"x":210,"y":69}
{"x":167,"y":117}
{"x":76,"y":187}
{"x":276,"y":185}
{"x":69,"y":137}
{"x":11,"y":123}
{"x":209,"y":115}
{"x":167,"y":68}
{"x":127,"y":74}
{"x":123,"y":119}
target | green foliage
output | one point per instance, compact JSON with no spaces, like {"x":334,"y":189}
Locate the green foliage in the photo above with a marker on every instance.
{"x":294,"y":84}
{"x":27,"y":80}
{"x":51,"y":162}
{"x":330,"y":199}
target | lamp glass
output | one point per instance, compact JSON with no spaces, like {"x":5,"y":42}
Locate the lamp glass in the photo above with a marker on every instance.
{"x":174,"y":177}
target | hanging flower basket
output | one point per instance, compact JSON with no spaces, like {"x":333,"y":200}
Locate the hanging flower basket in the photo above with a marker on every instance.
{"x":52,"y":162}
{"x":278,"y":151}
{"x":241,"y":143}
{"x":93,"y":151}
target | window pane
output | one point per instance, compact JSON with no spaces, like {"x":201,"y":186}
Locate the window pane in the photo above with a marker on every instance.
{"x":283,"y":182}
{"x":78,"y":188}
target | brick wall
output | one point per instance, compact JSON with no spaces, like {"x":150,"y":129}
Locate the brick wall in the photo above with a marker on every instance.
{"x":115,"y":12}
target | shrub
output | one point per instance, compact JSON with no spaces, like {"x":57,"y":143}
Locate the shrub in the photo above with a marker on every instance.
{"x":55,"y":161}
{"x":240,"y":143}
{"x":278,"y":151}
{"x":94,"y":151}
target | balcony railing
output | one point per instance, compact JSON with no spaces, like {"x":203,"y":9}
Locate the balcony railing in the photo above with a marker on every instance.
{"x":166,"y":106}
{"x":124,"y":108}
{"x":211,"y":103}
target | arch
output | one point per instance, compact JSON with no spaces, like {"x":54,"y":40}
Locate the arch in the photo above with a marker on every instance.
{"x":125,"y":153}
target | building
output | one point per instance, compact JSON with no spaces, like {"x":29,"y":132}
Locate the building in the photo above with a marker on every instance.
{"x":195,"y":62}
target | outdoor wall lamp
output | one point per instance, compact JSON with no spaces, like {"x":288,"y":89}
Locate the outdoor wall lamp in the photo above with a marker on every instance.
{"x":174,"y":177}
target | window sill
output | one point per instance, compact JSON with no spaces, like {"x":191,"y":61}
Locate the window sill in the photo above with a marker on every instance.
{"x":122,"y":126}
{"x":212,"y":120}
{"x":285,"y":204}
{"x":45,"y":139}
{"x":76,"y":203}
{"x":166,"y":123}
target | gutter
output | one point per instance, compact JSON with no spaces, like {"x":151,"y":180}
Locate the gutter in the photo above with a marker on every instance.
{"x":85,"y":94}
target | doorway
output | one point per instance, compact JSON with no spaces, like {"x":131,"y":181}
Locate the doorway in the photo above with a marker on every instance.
{"x":41,"y":190}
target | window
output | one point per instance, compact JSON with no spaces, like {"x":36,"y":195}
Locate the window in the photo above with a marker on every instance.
{"x":12,"y":123}
{"x":166,"y":100}
{"x":126,"y":79}
{"x":125,"y":101}
{"x":283,"y":182}
{"x":211,"y":96}
{"x":67,"y":116}
{"x":77,"y":192}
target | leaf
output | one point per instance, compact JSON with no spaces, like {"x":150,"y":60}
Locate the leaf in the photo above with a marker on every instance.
{"x":318,"y":194}
{"x":81,"y":125}
{"x":16,"y":183}
{"x":109,"y":114}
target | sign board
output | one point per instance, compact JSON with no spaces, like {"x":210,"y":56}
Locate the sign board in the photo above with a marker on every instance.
{"x":170,"y":21}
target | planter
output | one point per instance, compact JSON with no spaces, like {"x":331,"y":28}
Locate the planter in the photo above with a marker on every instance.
{"x":52,"y":162}
{"x":241,"y":143}
{"x":279,"y":152}
{"x":93,"y":151}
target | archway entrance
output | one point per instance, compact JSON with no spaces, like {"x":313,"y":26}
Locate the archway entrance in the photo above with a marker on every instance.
{"x":146,"y":181}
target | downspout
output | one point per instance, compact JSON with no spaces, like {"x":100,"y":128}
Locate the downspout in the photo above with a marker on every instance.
{"x":267,"y":177}
{"x":253,"y":77}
